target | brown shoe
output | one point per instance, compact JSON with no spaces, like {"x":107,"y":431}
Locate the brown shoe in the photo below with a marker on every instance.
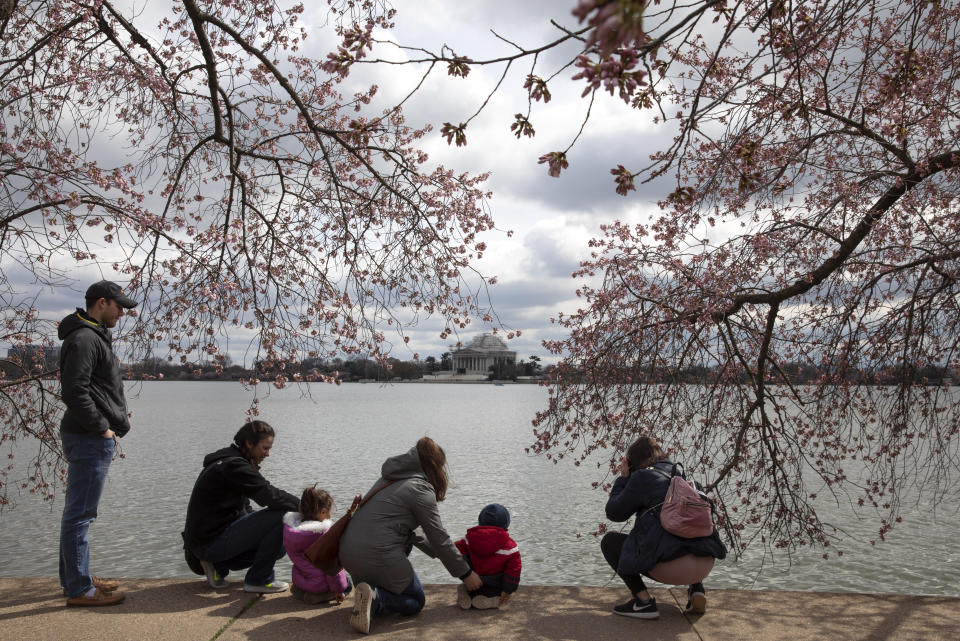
{"x":99,"y":598}
{"x":105,"y":585}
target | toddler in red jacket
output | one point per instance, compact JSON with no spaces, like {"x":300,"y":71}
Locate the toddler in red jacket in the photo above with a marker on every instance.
{"x":494,"y":556}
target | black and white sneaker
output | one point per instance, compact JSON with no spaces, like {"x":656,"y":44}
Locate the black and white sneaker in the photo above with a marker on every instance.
{"x":696,"y":599}
{"x":638,"y":609}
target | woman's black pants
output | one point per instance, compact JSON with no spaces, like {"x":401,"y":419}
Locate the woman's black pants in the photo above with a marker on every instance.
{"x":611,"y":544}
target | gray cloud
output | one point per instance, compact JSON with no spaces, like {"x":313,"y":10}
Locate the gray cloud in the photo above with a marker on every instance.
{"x":548,"y":256}
{"x":514,"y":300}
{"x":588,"y":185}
{"x":53,"y":299}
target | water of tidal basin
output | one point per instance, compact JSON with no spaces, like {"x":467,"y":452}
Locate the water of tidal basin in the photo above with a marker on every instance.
{"x":339,"y":436}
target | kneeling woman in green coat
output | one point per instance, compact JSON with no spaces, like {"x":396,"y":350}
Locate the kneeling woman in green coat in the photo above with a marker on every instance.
{"x":374,"y":548}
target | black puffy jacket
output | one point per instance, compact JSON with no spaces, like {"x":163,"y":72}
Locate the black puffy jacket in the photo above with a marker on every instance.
{"x":648,"y":543}
{"x":222,"y":495}
{"x":90,"y":380}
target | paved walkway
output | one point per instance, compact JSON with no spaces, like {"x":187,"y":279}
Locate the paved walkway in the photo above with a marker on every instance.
{"x":187,"y":610}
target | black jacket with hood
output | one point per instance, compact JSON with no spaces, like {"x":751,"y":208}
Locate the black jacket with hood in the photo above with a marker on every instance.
{"x":90,"y":380}
{"x":222,"y":495}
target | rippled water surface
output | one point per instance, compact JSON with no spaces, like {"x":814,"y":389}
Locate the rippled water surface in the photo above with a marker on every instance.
{"x":340,"y":436}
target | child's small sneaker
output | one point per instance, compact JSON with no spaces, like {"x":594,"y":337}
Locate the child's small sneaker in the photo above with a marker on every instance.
{"x":267,"y":588}
{"x":362,"y":608}
{"x":481,"y":602}
{"x":638,"y":609}
{"x":696,"y":599}
{"x":463,"y":597}
{"x":214,"y":579}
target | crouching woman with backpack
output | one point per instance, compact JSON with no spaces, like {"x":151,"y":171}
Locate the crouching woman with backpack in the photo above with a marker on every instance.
{"x":649,"y":550}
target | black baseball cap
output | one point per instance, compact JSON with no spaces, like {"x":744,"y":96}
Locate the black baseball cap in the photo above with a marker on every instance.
{"x":111,"y":291}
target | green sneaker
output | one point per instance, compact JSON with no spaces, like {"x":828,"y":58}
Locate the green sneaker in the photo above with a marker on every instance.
{"x":269,"y":588}
{"x":214,"y":579}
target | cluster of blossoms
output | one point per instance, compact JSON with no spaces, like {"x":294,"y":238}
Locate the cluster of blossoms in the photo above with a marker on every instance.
{"x":616,"y":23}
{"x":356,"y":41}
{"x":454,"y":133}
{"x":537,"y":88}
{"x":613,"y":73}
{"x":522,"y":126}
{"x":459,"y":67}
{"x":557,"y":161}
{"x":624,"y":180}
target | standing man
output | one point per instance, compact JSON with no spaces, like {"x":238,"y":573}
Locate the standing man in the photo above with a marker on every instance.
{"x":96,"y":415}
{"x":223,"y":530}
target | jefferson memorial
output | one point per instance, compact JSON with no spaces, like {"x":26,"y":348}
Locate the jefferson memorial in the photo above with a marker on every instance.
{"x":482,"y":352}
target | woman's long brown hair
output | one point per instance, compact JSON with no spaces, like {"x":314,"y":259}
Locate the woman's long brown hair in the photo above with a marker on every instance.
{"x":433,"y":460}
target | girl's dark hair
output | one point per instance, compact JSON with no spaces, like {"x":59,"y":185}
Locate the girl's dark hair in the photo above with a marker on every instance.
{"x":251,"y":434}
{"x":643,"y":453}
{"x":313,"y":500}
{"x":433,"y":460}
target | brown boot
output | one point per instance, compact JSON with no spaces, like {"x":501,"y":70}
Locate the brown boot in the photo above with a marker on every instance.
{"x":99,"y":598}
{"x":106,"y":585}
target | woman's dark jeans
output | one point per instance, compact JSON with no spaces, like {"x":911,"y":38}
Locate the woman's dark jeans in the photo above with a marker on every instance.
{"x":408,"y":602}
{"x":253,"y":541}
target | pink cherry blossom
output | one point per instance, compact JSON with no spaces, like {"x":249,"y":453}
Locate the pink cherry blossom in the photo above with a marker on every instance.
{"x":557,"y":161}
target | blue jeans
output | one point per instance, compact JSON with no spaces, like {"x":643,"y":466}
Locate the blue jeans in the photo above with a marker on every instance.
{"x":88,"y":460}
{"x":253,"y":541}
{"x":408,"y":602}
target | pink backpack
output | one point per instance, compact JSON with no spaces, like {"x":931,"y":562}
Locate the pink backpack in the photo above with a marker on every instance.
{"x":685,"y":511}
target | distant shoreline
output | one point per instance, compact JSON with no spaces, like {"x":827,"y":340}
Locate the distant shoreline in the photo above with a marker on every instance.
{"x":372,"y":381}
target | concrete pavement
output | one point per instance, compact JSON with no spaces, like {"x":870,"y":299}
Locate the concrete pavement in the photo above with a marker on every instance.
{"x":188,"y":610}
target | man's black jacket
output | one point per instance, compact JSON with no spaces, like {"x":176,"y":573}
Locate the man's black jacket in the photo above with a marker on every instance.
{"x":90,"y":380}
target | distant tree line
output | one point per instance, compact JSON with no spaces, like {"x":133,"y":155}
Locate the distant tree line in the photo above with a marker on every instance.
{"x":355,"y":369}
{"x":314,"y":369}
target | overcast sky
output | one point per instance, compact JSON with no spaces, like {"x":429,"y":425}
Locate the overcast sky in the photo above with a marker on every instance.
{"x":552,"y":219}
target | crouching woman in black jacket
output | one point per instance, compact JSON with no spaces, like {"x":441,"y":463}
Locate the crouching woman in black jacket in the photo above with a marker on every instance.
{"x":223,"y":530}
{"x":649,"y":550}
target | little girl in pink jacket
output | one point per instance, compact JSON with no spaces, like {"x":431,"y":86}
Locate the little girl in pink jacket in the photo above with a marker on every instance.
{"x":300,"y":529}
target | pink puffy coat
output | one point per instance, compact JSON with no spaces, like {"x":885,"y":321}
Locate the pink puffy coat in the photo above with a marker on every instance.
{"x":297,"y":537}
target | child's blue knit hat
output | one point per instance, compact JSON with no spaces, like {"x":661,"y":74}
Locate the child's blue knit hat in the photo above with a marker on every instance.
{"x":496,"y":515}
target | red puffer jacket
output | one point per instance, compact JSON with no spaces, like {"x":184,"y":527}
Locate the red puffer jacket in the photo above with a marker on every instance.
{"x":491,"y":551}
